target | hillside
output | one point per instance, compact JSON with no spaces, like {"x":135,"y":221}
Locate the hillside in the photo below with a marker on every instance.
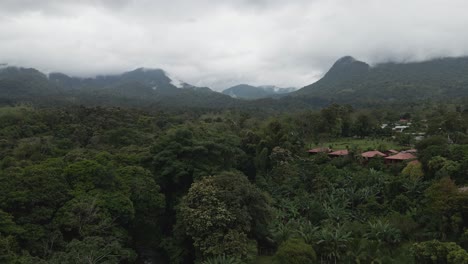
{"x":137,"y":88}
{"x":245,"y":91}
{"x":348,"y":81}
{"x":353,"y":81}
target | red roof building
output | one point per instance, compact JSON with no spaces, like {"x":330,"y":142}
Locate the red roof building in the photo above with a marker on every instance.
{"x":372,"y":154}
{"x":400,"y":157}
{"x":319,"y":150}
{"x":339,"y":153}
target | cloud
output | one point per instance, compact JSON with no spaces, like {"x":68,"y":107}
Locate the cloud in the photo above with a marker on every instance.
{"x":219,"y":43}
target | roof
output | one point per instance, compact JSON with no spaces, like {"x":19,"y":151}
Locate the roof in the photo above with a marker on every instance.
{"x":411,"y":151}
{"x":343,"y":152}
{"x":371,"y":154}
{"x":319,"y":150}
{"x":392,"y":151}
{"x":401,"y":156}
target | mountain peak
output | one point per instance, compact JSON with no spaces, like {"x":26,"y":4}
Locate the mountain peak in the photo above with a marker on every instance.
{"x":348,"y":60}
{"x":345,"y":59}
{"x":347,"y":67}
{"x":144,"y":69}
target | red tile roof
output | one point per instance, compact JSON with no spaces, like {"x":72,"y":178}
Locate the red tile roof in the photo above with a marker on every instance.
{"x":411,"y":151}
{"x":339,"y":153}
{"x":371,"y":154}
{"x":319,"y":150}
{"x":401,"y":156}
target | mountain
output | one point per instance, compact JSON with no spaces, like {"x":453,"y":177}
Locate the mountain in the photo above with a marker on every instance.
{"x":245,"y":91}
{"x":353,"y":81}
{"x":137,"y":88}
{"x":348,"y":81}
{"x":19,"y":83}
{"x":155,"y":79}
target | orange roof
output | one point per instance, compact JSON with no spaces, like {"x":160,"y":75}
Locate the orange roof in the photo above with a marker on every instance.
{"x":371,"y":154}
{"x":401,"y":156}
{"x":319,"y":150}
{"x":343,"y":152}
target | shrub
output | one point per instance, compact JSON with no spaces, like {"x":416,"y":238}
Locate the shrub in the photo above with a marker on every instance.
{"x":295,"y":251}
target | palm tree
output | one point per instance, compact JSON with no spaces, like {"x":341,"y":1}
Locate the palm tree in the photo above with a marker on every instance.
{"x":222,"y":259}
{"x":333,"y":241}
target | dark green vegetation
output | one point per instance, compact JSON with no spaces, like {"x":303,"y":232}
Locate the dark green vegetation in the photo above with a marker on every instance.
{"x":116,"y":185}
{"x":130,"y":168}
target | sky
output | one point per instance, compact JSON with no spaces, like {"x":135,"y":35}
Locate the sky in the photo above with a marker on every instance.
{"x":221,"y":43}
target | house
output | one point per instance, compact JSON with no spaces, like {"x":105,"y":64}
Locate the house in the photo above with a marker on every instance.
{"x":372,"y":154}
{"x":339,"y":153}
{"x":391,"y":152}
{"x":400,"y":157}
{"x":318,"y":150}
{"x":399,"y":128}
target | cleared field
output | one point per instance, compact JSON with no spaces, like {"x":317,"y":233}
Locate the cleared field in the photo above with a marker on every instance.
{"x":362,"y":144}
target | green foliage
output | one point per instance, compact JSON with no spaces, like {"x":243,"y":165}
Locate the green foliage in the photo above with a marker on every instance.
{"x":439,"y":252}
{"x":127,"y":186}
{"x":383,"y":232}
{"x":413,"y":170}
{"x":333,"y":242}
{"x":222,"y":259}
{"x":294,"y":251}
{"x":219,"y":212}
{"x":93,"y":250}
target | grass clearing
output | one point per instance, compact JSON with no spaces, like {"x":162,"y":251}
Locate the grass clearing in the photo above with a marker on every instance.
{"x":362,"y":144}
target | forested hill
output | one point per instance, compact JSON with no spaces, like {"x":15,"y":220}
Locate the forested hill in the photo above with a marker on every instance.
{"x":137,"y":88}
{"x":349,"y":81}
{"x":353,"y":81}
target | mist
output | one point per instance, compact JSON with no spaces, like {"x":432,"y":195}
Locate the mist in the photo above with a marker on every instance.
{"x":222,"y":43}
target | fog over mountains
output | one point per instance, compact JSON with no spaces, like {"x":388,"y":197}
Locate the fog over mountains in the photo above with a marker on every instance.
{"x":224,"y":43}
{"x":245,"y":91}
{"x":348,"y":81}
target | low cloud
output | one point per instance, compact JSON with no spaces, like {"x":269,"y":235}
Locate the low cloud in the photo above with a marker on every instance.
{"x":223,"y":43}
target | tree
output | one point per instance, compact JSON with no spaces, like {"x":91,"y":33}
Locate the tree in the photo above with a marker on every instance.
{"x":295,"y":251}
{"x":93,"y":250}
{"x":221,"y":212}
{"x":364,"y":126}
{"x":333,"y":242}
{"x":434,"y":251}
{"x":413,"y":170}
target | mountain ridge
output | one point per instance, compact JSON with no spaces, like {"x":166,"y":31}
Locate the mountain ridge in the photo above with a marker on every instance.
{"x":353,"y":81}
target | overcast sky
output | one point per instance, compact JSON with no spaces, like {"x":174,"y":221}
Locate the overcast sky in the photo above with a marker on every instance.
{"x":220,"y":43}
